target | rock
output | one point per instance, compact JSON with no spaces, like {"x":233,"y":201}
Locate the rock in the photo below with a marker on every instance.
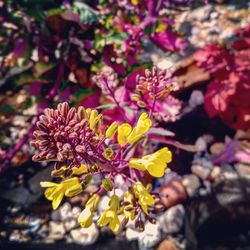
{"x":228,"y":172}
{"x":191,"y":183}
{"x":167,"y":245}
{"x":132,"y":234}
{"x":55,"y":215}
{"x":203,"y":13}
{"x":64,"y":211}
{"x":119,"y":192}
{"x":70,"y":224}
{"x":103,"y":204}
{"x":150,"y":237}
{"x":215,"y":173}
{"x":196,"y":99}
{"x":243,"y":170}
{"x":217,"y":148}
{"x":206,"y":189}
{"x":76,"y":211}
{"x":57,"y":230}
{"x":85,"y":236}
{"x":172,"y":193}
{"x":201,"y":171}
{"x":172,"y":220}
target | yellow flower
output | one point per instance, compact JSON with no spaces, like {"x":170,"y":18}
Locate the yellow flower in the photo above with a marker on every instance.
{"x":135,"y":2}
{"x":123,"y":132}
{"x":126,"y":134}
{"x":145,"y":199}
{"x":129,"y":210}
{"x":55,"y":191}
{"x":110,"y":217}
{"x":154,"y":163}
{"x":111,"y":130}
{"x":79,"y":171}
{"x":85,"y":217}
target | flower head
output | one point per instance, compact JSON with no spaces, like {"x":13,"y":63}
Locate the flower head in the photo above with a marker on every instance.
{"x":153,"y":93}
{"x":128,"y":135}
{"x":55,"y":191}
{"x":145,"y":199}
{"x":67,"y":135}
{"x":109,"y":216}
{"x":129,"y":210}
{"x":154,"y":163}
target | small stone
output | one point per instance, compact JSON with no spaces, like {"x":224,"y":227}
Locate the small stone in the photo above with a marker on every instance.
{"x":215,"y":173}
{"x":201,"y":171}
{"x":167,"y":245}
{"x":119,"y":192}
{"x":85,"y":236}
{"x":57,"y":230}
{"x":76,"y":211}
{"x":103,"y":204}
{"x":150,"y":237}
{"x":64,"y":210}
{"x":243,"y":170}
{"x":217,"y":148}
{"x":55,"y":215}
{"x":228,"y":172}
{"x":172,"y":193}
{"x":132,"y":234}
{"x":191,"y":183}
{"x":70,"y":224}
{"x":173,"y":219}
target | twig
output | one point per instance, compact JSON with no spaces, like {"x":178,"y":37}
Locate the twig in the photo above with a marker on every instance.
{"x":29,"y":132}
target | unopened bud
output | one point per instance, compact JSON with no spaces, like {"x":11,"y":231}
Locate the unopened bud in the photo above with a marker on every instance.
{"x":107,"y":184}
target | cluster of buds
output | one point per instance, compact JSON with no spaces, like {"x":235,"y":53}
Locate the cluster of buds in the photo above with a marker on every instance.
{"x":80,"y":146}
{"x":106,"y":80}
{"x":153,"y":94}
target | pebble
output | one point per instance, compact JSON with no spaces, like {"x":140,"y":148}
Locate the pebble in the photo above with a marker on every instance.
{"x":173,"y":219}
{"x":217,"y":148}
{"x":70,"y":223}
{"x":228,"y":172}
{"x":103,"y":204}
{"x":243,"y":170}
{"x":191,"y":183}
{"x":65,"y":211}
{"x":201,"y":171}
{"x":57,"y":230}
{"x":150,"y":237}
{"x":132,"y":234}
{"x":85,"y":236}
{"x":167,"y":245}
{"x":172,"y":193}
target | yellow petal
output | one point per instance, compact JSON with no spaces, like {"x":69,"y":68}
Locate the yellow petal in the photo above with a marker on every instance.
{"x":47,"y":184}
{"x":136,"y":163}
{"x":92,"y":118}
{"x":105,"y":218}
{"x":114,"y":203}
{"x":49,"y":193}
{"x":92,"y":203}
{"x":73,"y":190}
{"x":85,"y":218}
{"x":79,"y":171}
{"x":70,"y":182}
{"x":111,"y":130}
{"x":156,"y":169}
{"x":57,"y":198}
{"x":115,"y":224}
{"x":123,"y":132}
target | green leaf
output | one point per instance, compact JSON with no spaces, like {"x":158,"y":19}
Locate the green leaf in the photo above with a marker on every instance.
{"x":8,"y":109}
{"x":86,"y":13}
